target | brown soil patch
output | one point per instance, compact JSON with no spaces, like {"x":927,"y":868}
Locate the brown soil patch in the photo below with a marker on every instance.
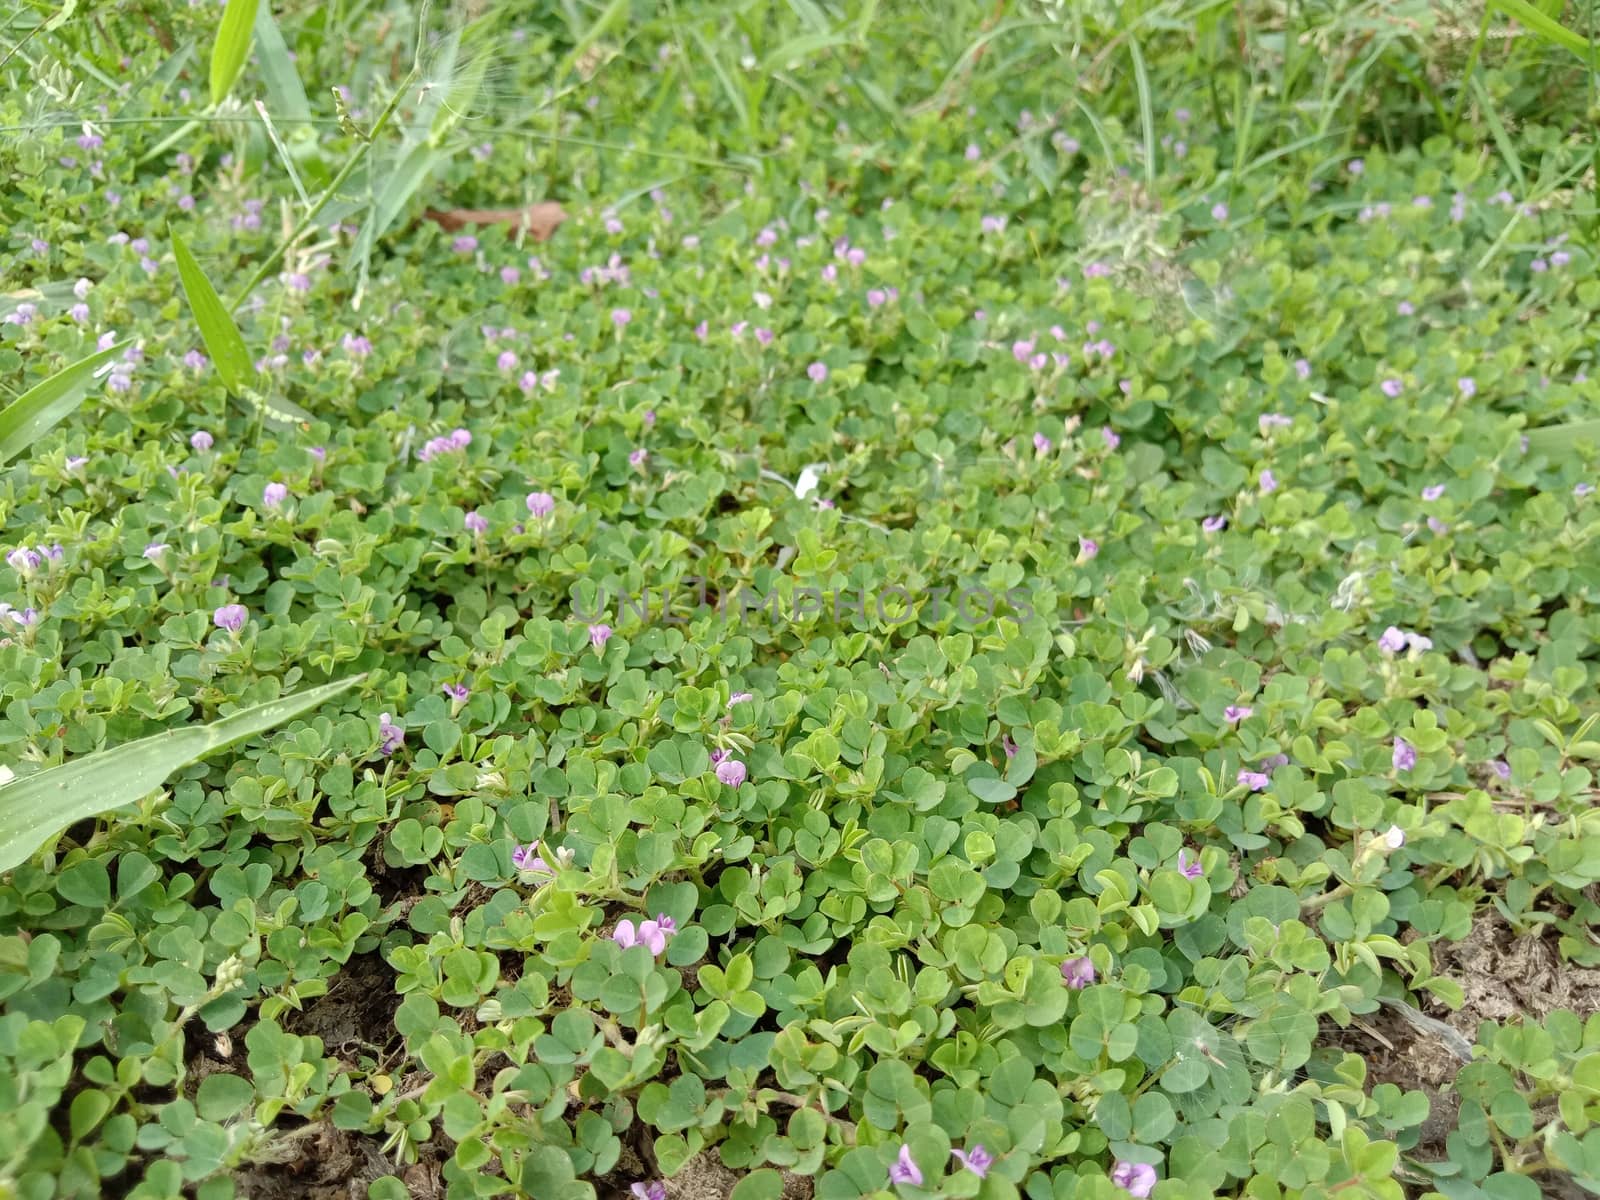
{"x":331,"y":1165}
{"x":703,"y":1177}
{"x":1506,"y":976}
{"x":355,"y":1013}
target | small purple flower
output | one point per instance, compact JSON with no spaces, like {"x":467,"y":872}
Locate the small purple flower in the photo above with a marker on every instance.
{"x":877,"y":298}
{"x":740,"y":698}
{"x":972,"y":152}
{"x":25,"y":560}
{"x":1302,"y":368}
{"x":526,"y":858}
{"x":1235,"y":713}
{"x":1190,"y":868}
{"x":1392,"y":640}
{"x":1467,"y":386}
{"x":1583,"y":489}
{"x":905,"y":1169}
{"x":638,"y":457}
{"x":195,"y":361}
{"x":1219,"y":212}
{"x":475,"y":522}
{"x":1538,"y":266}
{"x":1501,"y":768}
{"x":1355,"y":166}
{"x":230,"y":617}
{"x":1077,"y":973}
{"x":718,"y":755}
{"x":620,"y":317}
{"x":1214,"y":524}
{"x":977,"y":1160}
{"x":156,"y":551}
{"x":541,"y":504}
{"x":650,"y":934}
{"x":1560,"y":258}
{"x":817,"y":372}
{"x":731,"y":771}
{"x":1404,"y":756}
{"x":1041,"y":443}
{"x":1391,"y":388}
{"x":993,"y":224}
{"x":390,"y":736}
{"x":465,"y":244}
{"x":1137,"y":1179}
{"x":649,"y":1191}
{"x":1256,"y":781}
{"x":1112,"y":438}
{"x":273,"y":495}
{"x":79,"y":313}
{"x":1438,"y":526}
{"x":77,"y":462}
{"x":1269,"y":481}
{"x":510,"y":276}
{"x":1009,"y":746}
{"x":507,"y":362}
{"x":1433,"y":492}
{"x":459,"y":692}
{"x":1087,"y":548}
{"x":599,"y":635}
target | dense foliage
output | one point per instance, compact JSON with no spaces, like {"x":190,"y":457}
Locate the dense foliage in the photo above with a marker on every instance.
{"x":961,"y":628}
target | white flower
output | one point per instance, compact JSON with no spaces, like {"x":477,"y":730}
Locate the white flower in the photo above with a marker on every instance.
{"x":1394,"y":838}
{"x":810,"y":476}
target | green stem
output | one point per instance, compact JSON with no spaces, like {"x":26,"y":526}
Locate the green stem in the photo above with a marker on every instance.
{"x":328,"y":194}
{"x":1466,"y":74}
{"x":1312,"y":903}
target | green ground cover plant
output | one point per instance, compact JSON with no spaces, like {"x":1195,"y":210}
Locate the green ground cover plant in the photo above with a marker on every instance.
{"x":997,"y":605}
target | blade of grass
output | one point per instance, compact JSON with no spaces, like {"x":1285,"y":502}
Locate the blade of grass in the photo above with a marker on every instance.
{"x":221,"y":336}
{"x":1497,"y":129}
{"x":1561,"y":440}
{"x":1546,"y":27}
{"x":283,"y":153}
{"x":285,"y":93}
{"x":597,"y":30}
{"x":232,"y":46}
{"x":39,"y":409}
{"x":34,"y":809}
{"x":328,"y":193}
{"x":1147,"y":112}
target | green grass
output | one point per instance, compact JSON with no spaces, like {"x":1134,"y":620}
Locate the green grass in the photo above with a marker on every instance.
{"x":1111,"y":486}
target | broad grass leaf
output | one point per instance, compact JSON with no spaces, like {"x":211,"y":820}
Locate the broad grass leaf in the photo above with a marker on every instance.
{"x":39,"y":806}
{"x":222,"y":337}
{"x":39,"y":409}
{"x":232,"y":46}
